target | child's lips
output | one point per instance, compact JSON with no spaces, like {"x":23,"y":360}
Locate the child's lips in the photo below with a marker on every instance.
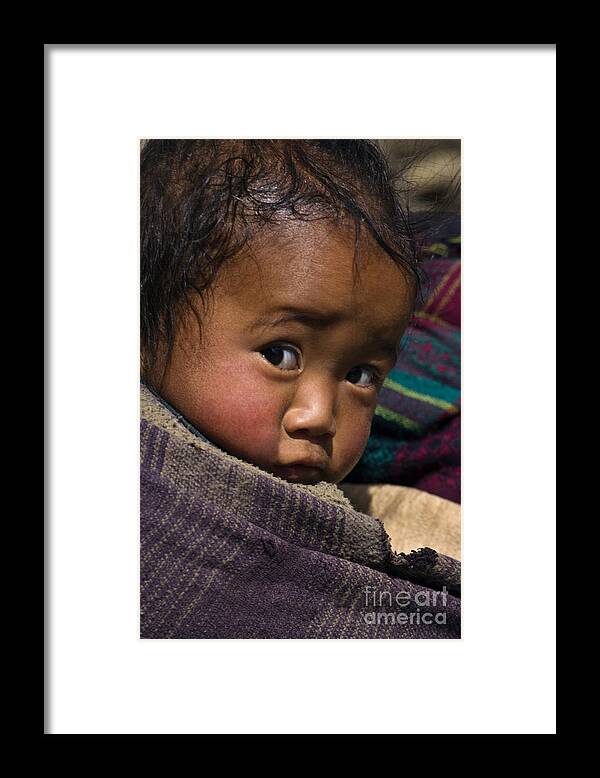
{"x":309,"y":470}
{"x":300,"y":473}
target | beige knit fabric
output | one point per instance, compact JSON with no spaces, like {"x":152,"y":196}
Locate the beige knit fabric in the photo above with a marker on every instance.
{"x":412,"y":518}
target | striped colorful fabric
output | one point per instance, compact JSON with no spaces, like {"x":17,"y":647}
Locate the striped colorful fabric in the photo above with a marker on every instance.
{"x":229,"y":551}
{"x":415,"y":436}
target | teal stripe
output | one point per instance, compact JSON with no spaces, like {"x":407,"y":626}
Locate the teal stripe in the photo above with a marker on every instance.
{"x":425,"y":386}
{"x":419,"y":396}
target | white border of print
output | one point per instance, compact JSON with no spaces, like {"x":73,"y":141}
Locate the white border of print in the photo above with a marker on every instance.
{"x":100,"y":100}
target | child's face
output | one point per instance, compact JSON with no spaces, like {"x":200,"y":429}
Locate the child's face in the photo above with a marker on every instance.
{"x":294,"y":350}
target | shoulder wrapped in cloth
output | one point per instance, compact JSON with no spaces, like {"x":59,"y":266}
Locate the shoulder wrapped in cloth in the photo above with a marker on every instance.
{"x":229,"y":551}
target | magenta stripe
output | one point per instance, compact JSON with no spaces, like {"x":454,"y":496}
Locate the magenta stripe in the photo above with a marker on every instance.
{"x":454,"y":272}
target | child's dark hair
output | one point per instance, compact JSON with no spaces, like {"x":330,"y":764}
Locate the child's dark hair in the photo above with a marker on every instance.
{"x":203,"y":200}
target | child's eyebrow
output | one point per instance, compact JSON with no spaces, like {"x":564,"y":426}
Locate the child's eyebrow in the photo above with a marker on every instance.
{"x":304,"y":316}
{"x":315,"y":318}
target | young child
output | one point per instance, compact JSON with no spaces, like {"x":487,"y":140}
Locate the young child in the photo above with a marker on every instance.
{"x":277,"y":280}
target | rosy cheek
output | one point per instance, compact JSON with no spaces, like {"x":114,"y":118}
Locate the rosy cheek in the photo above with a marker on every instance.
{"x":240,"y":419}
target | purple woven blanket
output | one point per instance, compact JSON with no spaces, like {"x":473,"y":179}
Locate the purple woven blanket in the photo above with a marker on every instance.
{"x":229,"y":551}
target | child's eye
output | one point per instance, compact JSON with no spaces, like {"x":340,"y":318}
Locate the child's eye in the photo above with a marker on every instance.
{"x":283,"y":357}
{"x":363,"y":376}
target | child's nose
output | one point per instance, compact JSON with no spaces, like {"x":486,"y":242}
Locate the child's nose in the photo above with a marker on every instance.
{"x":312,"y":409}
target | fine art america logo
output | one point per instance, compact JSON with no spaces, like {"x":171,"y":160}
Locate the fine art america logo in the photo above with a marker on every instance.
{"x":418,"y":607}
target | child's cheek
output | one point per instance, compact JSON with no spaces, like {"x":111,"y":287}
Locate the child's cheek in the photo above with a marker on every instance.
{"x":241,"y":419}
{"x":351,"y":443}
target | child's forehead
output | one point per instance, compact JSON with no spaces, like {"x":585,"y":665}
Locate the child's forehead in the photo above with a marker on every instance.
{"x":320,"y":270}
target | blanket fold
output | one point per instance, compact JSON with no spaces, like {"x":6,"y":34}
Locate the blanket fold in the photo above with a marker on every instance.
{"x":230,"y":551}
